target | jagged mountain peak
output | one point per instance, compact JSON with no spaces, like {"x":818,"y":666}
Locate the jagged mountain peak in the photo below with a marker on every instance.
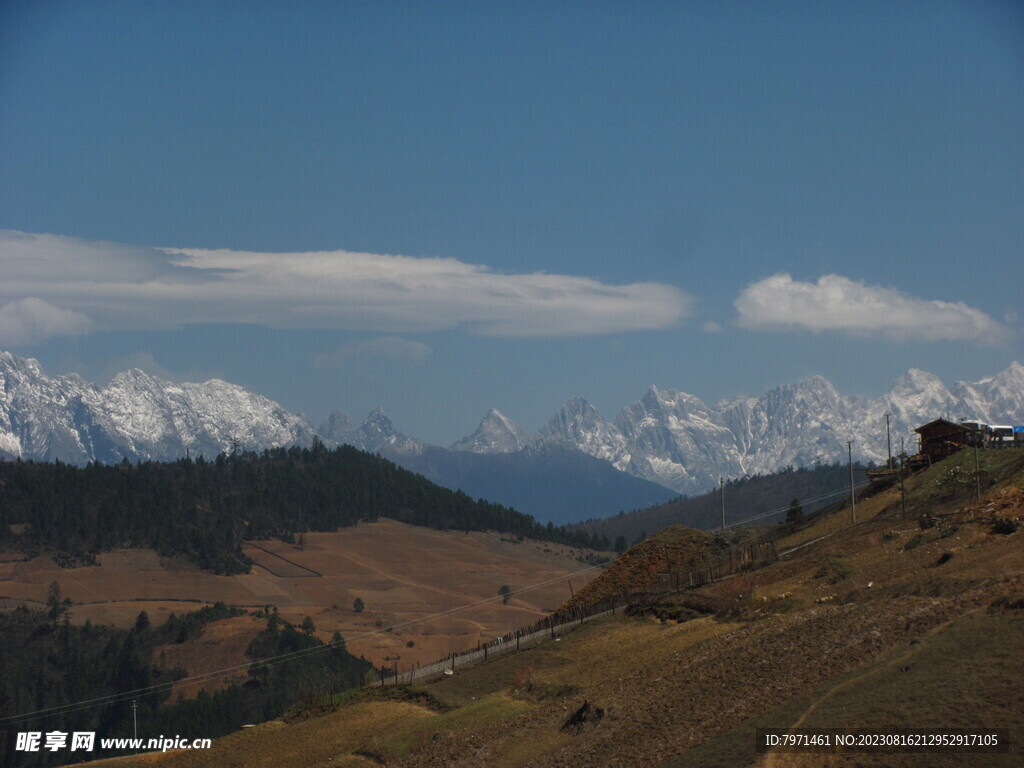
{"x":135,"y":416}
{"x":915,"y":378}
{"x":1012,"y":375}
{"x":992,"y":399}
{"x":580,"y":425}
{"x":496,"y":433}
{"x":575,"y":414}
{"x":578,"y":404}
{"x":379,"y":420}
{"x":337,"y":428}
{"x":377,"y":434}
{"x":11,"y":363}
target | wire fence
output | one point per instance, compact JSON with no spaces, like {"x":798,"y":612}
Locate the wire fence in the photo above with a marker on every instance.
{"x":745,"y":556}
{"x":547,"y":629}
{"x":740,"y":557}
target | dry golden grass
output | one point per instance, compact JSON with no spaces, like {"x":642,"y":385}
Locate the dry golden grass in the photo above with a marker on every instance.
{"x":219,"y":645}
{"x":403,"y":574}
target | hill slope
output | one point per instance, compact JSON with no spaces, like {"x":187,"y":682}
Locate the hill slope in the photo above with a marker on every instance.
{"x":887,"y":622}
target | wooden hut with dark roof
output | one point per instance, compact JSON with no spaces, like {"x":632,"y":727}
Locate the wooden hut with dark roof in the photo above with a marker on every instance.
{"x":941,"y":438}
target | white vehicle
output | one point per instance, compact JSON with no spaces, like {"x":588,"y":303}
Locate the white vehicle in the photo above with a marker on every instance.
{"x":976,"y":426}
{"x":1002,"y":433}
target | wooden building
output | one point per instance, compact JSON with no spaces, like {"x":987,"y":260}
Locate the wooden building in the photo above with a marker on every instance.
{"x":941,"y":438}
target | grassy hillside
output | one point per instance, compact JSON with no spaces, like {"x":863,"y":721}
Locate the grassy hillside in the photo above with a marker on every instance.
{"x":410,"y":578}
{"x":911,"y":619}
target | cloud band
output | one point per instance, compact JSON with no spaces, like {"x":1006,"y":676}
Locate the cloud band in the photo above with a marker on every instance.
{"x":111,"y":285}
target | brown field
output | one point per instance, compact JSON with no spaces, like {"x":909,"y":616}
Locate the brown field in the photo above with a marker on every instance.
{"x":406,"y":575}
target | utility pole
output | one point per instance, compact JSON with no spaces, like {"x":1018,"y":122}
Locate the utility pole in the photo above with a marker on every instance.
{"x":888,"y":441}
{"x":977,"y":473}
{"x":721,"y":481}
{"x":135,"y":720}
{"x":903,"y":494}
{"x":853,"y":500}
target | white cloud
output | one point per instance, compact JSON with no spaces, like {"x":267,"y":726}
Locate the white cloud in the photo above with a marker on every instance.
{"x":32,"y":320}
{"x":390,"y":347}
{"x":129,"y":286}
{"x":712,"y":326}
{"x":837,"y":303}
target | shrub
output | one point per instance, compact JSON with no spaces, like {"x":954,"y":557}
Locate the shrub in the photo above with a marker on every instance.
{"x":914,"y":542}
{"x":1004,"y":526}
{"x":734,"y":594}
{"x":834,"y":568}
{"x":955,"y":479}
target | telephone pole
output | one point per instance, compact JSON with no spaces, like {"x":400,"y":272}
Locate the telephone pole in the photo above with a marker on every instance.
{"x":888,"y":441}
{"x":853,"y":500}
{"x":135,"y":720}
{"x":721,"y":482}
{"x":903,"y":494}
{"x":977,"y":473}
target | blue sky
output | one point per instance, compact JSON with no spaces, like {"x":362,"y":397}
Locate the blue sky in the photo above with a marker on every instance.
{"x":445,"y":207}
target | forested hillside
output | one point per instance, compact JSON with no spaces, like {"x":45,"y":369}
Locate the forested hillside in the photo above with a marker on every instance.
{"x":51,"y":664}
{"x":203,"y":510}
{"x":752,"y":497}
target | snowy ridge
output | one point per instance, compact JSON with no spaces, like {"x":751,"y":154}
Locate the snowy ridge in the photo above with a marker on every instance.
{"x":667,"y":437}
{"x":136,"y":416}
{"x":675,"y":439}
{"x":496,"y":434}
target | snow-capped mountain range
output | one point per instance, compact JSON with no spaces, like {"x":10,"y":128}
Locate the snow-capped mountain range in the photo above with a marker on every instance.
{"x":667,"y":437}
{"x":677,"y":440}
{"x":135,"y":416}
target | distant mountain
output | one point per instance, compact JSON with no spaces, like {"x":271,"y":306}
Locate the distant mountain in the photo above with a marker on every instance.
{"x":668,"y":438}
{"x":551,"y":482}
{"x":136,"y":416}
{"x":500,"y":462}
{"x":496,"y":434}
{"x":675,"y":439}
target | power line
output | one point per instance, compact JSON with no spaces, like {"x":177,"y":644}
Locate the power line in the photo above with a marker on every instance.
{"x":268,"y":662}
